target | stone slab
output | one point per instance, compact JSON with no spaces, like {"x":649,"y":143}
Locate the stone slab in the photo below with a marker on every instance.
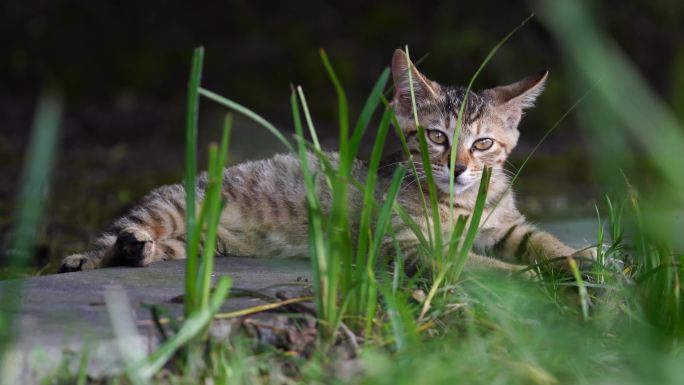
{"x":67,"y":311}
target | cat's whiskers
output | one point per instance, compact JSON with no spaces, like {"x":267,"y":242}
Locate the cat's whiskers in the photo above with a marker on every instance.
{"x":515,"y":168}
{"x":403,"y":162}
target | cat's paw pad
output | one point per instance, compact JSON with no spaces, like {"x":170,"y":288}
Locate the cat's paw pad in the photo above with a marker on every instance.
{"x":135,"y":247}
{"x":76,"y":262}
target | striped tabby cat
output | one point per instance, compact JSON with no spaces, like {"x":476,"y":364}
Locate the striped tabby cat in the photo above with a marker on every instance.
{"x":266,"y":214}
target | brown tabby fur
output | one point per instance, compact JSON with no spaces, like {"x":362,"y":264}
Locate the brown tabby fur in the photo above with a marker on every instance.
{"x":266,"y":214}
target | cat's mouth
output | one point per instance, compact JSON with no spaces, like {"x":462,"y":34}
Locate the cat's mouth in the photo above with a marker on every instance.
{"x":460,"y":185}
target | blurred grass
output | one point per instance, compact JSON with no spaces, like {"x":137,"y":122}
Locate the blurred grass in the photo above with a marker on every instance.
{"x":29,"y":211}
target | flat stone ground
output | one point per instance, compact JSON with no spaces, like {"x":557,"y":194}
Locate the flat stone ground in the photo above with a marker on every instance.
{"x":67,"y":311}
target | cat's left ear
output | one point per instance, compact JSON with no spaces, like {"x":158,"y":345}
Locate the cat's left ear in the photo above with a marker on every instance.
{"x":423,"y":88}
{"x":511,"y":100}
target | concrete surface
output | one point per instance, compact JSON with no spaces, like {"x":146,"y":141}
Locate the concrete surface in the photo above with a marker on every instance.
{"x":66,"y":312}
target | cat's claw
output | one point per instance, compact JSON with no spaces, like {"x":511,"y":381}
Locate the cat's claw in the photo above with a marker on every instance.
{"x":76,"y":262}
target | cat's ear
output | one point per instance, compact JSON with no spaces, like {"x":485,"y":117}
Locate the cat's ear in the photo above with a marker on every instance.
{"x":511,"y":100}
{"x":423,"y":88}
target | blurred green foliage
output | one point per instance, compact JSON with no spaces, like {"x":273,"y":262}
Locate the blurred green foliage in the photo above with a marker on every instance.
{"x":100,"y":51}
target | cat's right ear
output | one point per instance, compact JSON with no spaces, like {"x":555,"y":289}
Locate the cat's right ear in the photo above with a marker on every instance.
{"x":511,"y":100}
{"x":423,"y":88}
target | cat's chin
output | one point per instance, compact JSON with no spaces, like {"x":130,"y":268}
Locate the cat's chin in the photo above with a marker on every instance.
{"x":458,"y":187}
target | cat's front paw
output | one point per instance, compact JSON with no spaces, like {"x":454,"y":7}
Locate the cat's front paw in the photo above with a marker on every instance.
{"x":135,"y":247}
{"x":76,"y":262}
{"x":585,"y":258}
{"x":526,"y":274}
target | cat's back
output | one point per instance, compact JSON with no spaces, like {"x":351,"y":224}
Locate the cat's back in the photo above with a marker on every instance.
{"x":266,"y":210}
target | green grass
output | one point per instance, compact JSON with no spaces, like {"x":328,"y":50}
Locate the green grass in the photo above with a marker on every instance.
{"x":611,"y":324}
{"x":30,"y":202}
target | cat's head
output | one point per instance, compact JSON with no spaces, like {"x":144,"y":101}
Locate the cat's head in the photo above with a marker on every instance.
{"x":489,"y":123}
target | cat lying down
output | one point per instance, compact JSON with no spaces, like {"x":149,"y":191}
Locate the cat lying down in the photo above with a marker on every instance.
{"x":266,"y":213}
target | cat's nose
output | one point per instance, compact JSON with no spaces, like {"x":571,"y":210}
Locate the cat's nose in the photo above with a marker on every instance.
{"x":459,"y":168}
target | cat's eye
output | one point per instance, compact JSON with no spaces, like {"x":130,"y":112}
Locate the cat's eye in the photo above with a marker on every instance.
{"x":483,"y":144}
{"x":437,"y":136}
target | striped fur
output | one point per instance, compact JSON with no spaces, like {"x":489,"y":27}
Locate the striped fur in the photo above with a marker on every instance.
{"x":266,"y":213}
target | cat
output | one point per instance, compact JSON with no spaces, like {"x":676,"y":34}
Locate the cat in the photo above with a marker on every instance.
{"x":266,"y":210}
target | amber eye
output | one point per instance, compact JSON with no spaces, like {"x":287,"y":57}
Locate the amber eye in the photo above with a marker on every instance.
{"x":483,"y":144}
{"x":437,"y":136}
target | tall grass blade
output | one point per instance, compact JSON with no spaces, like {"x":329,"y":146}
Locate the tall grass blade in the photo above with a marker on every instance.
{"x":248,"y":113}
{"x":192,"y":244}
{"x":473,"y":229}
{"x":622,"y":90}
{"x":367,"y":112}
{"x":425,"y":242}
{"x":214,"y":203}
{"x":130,"y":343}
{"x":31,"y":198}
{"x":340,"y":253}
{"x":537,"y":145}
{"x":342,"y":105}
{"x":319,"y":260}
{"x":459,"y":120}
{"x":369,"y":285}
{"x":309,"y":122}
{"x":426,"y":164}
{"x":369,"y":191}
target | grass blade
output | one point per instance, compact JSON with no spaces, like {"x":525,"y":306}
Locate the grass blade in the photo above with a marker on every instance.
{"x":459,"y":120}
{"x":130,"y":342}
{"x":215,"y":203}
{"x":342,"y":105}
{"x":536,"y":147}
{"x":427,"y":168}
{"x":474,"y":222}
{"x":192,"y":245}
{"x":192,"y":327}
{"x":369,"y":190}
{"x":366,"y":114}
{"x":31,"y":198}
{"x":319,"y":263}
{"x":309,"y":122}
{"x":368,"y":285}
{"x":248,"y":113}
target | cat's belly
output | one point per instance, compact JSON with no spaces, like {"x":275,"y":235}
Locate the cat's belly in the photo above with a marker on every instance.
{"x":275,"y":241}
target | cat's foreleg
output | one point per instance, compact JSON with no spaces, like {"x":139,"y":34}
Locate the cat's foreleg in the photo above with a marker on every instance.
{"x":150,"y":232}
{"x":476,"y":261}
{"x":525,"y":244}
{"x":416,"y":259}
{"x":100,"y":253}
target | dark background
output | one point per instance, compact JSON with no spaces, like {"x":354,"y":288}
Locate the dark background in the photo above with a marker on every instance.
{"x":123,"y":68}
